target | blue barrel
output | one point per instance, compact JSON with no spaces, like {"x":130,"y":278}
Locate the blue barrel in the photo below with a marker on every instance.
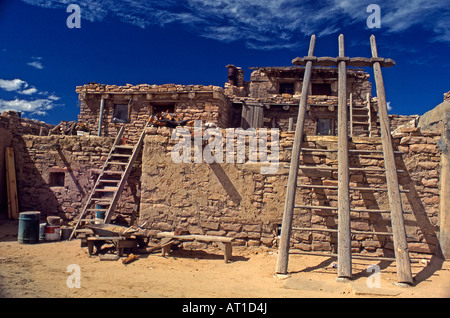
{"x":29,"y":227}
{"x":100,"y":214}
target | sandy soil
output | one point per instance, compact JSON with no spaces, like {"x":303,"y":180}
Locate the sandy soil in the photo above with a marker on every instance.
{"x":40,"y":270}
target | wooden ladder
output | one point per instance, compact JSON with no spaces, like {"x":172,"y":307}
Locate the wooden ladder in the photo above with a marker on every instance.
{"x":111,"y":180}
{"x":343,"y":230}
{"x":360,"y":118}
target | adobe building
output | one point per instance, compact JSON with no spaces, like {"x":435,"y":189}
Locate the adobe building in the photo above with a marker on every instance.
{"x":56,"y":173}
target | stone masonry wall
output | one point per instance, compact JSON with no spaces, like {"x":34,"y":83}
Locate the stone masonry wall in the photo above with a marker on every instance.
{"x":197,"y":102}
{"x":78,"y":161}
{"x":236,"y":200}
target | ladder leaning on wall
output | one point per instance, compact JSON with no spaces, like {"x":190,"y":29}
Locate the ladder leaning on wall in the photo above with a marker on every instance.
{"x":111,"y":180}
{"x":344,"y":230}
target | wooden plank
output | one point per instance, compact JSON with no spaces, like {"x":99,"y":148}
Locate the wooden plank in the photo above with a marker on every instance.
{"x":404,"y":274}
{"x":11,"y":185}
{"x":344,"y":229}
{"x":196,"y":237}
{"x":285,"y":236}
{"x":369,"y":112}
{"x":351,"y":115}
{"x":353,"y":62}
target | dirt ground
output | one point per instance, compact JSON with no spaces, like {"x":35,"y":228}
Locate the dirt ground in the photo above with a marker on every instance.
{"x":41,"y":270}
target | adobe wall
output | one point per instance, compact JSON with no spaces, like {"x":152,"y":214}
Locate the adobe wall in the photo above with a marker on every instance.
{"x":236,"y":200}
{"x":197,"y":102}
{"x":262,"y":85}
{"x":12,"y":127}
{"x":79,"y":159}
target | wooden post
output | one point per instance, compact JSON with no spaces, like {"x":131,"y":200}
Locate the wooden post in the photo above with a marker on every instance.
{"x":398,"y":225}
{"x":344,"y":230}
{"x":11,"y":184}
{"x":100,"y":120}
{"x":369,"y":112}
{"x":285,"y":236}
{"x":351,"y":115}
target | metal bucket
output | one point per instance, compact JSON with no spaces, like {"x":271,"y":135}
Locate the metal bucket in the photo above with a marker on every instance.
{"x":65,"y":233}
{"x":42,"y":231}
{"x":52,"y":232}
{"x":28,"y":232}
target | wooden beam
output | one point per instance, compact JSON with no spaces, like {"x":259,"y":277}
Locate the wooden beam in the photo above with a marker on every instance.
{"x":333,"y":61}
{"x":285,"y":236}
{"x":398,"y":225}
{"x":100,"y":116}
{"x":351,"y":114}
{"x":11,"y":184}
{"x":344,"y":229}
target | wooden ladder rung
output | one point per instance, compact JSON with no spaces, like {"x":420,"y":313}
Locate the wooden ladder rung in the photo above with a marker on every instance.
{"x":93,"y":209}
{"x":118,"y":155}
{"x":117,"y":163}
{"x":318,"y":207}
{"x":124,"y":147}
{"x":113,"y":189}
{"x":314,"y":186}
{"x":319,"y":150}
{"x":360,"y":123}
{"x":112,"y":172}
{"x":335,"y":168}
{"x":108,"y":181}
{"x":336,"y":230}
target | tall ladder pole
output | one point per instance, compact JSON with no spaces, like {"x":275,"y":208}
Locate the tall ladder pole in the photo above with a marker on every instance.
{"x":344,"y":231}
{"x":398,"y":225}
{"x":286,"y":227}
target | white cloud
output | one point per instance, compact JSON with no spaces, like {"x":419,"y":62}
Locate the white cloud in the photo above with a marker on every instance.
{"x":266,"y":24}
{"x":38,"y":106}
{"x":13,"y":85}
{"x":17,"y":85}
{"x":36,"y":64}
{"x":28,"y":91}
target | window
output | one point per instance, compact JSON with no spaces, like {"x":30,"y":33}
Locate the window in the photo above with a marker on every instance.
{"x":287,"y":88}
{"x":56,"y":179}
{"x":324,"y":127}
{"x":160,"y":108}
{"x":120,"y":113}
{"x":321,"y":89}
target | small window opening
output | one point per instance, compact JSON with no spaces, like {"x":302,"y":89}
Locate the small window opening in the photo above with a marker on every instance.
{"x":278,"y":229}
{"x":120,"y":113}
{"x":321,"y":89}
{"x":57,"y":179}
{"x":287,"y":88}
{"x":163,"y":108}
{"x":324,"y":127}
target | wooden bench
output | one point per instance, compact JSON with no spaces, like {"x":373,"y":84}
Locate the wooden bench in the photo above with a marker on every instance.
{"x":120,"y":242}
{"x":223,"y":242}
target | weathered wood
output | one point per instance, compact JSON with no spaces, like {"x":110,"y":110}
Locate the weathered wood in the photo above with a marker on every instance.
{"x":91,"y":196}
{"x":333,"y":61}
{"x":11,"y":184}
{"x":398,"y":225}
{"x":223,"y":242}
{"x":100,"y":116}
{"x":126,"y":173}
{"x":369,"y":112}
{"x":285,"y":236}
{"x":351,"y":114}
{"x":344,"y":230}
{"x":196,"y":237}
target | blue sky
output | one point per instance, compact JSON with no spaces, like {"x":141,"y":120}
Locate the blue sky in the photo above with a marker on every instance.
{"x":191,"y":42}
